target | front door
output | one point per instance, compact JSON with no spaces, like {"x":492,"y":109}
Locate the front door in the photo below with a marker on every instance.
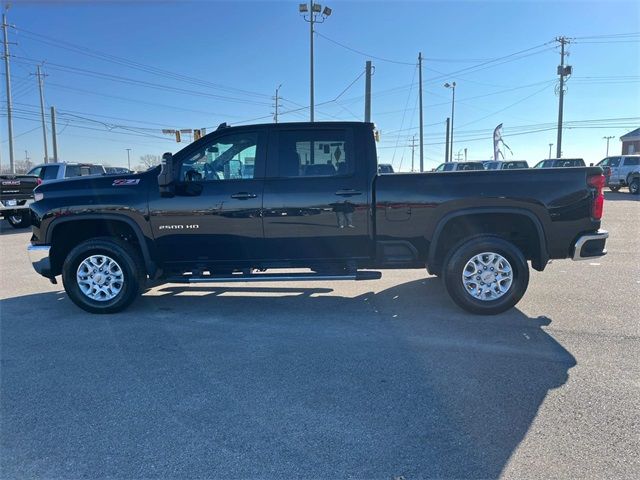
{"x":316,"y":196}
{"x":215,"y":216}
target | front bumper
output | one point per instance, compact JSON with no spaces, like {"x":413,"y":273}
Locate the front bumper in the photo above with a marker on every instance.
{"x":39,"y":257}
{"x":590,"y":245}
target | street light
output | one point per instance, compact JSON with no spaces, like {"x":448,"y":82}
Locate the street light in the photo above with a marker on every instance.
{"x":452,"y":86}
{"x":313,"y":10}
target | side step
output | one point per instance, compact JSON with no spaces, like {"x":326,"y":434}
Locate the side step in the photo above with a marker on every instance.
{"x":274,"y":277}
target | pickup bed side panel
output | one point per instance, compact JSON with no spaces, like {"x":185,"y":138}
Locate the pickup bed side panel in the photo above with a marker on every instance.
{"x":412,"y":207}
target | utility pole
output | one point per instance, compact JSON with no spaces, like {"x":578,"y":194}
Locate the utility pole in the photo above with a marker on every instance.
{"x":54,"y":140}
{"x":420,"y":106}
{"x":413,"y":147}
{"x":563,"y":70}
{"x":129,"y":158}
{"x":465,"y":154}
{"x":275,"y":117}
{"x":446,"y":147}
{"x":367,"y":93}
{"x":607,"y":139}
{"x":40,"y":75}
{"x":7,"y":70}
{"x":550,"y":147}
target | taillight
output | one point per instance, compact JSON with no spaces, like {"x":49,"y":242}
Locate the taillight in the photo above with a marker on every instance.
{"x":38,"y":181}
{"x":598,"y":182}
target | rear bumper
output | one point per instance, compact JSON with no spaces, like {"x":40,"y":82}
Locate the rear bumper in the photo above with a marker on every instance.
{"x":39,"y":258}
{"x":14,"y":205}
{"x":590,"y":245}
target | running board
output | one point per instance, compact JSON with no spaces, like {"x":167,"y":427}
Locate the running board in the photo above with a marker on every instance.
{"x":275,"y":277}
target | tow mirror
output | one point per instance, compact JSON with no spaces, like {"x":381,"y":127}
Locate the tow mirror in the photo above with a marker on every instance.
{"x":166,"y":180}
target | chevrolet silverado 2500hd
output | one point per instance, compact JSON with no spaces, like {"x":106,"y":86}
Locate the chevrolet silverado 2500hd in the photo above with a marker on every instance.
{"x":243,"y":202}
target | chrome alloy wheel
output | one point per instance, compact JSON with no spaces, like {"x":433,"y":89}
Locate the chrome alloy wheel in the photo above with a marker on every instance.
{"x":100,"y":278}
{"x":487,"y":276}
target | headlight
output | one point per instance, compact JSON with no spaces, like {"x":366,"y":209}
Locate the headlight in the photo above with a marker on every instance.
{"x":38,"y":196}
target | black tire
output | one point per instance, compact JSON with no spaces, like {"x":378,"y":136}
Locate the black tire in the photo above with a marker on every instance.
{"x":634,"y":186}
{"x":19,"y":220}
{"x":614,"y":188}
{"x":133,"y":274}
{"x":463,"y":252}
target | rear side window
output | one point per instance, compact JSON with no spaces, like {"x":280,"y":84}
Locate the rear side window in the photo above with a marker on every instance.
{"x":72,"y":171}
{"x":36,"y":172}
{"x":96,"y":170}
{"x":50,"y":173}
{"x":314,"y":153}
{"x":633,"y":161}
{"x":610,"y":162}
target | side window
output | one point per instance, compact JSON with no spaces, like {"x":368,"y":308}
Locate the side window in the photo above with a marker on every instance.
{"x":72,"y":171}
{"x":614,"y":162}
{"x":230,"y":157}
{"x":449,"y":167}
{"x":631,"y":161}
{"x":50,"y":173}
{"x":96,"y":170}
{"x":36,"y":172}
{"x":314,"y":153}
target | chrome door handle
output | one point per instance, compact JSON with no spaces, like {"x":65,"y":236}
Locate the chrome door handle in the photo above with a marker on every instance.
{"x":243,"y":195}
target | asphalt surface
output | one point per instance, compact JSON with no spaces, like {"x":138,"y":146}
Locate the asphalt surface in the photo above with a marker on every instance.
{"x":377,"y":379}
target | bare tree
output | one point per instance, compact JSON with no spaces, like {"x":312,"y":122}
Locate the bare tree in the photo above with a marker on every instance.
{"x":149,"y":160}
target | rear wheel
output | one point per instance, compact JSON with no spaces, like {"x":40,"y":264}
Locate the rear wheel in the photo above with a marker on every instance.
{"x":634,"y":186}
{"x":19,"y":220}
{"x":486,"y":275}
{"x":103,"y":275}
{"x":614,"y":188}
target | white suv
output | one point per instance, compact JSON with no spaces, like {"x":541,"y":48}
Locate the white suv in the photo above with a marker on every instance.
{"x":621,"y":169}
{"x":55,"y":171}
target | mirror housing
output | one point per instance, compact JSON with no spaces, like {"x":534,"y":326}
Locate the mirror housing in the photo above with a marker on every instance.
{"x":166,"y":180}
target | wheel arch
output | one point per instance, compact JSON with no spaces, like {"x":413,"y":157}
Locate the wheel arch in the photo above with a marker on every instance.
{"x":470,"y":222}
{"x":90,"y":226}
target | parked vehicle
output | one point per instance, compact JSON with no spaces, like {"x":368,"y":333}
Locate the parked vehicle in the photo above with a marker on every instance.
{"x":116,"y":170}
{"x":505,"y":164}
{"x":459,"y":166}
{"x":622,"y":167}
{"x":55,"y":171}
{"x":560,"y":163}
{"x":385,"y":168}
{"x":200,"y":218}
{"x":16,"y":194}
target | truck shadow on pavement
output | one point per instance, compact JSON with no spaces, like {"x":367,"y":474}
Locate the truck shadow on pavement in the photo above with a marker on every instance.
{"x":271,"y":382}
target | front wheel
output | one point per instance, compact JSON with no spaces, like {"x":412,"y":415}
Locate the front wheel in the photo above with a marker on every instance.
{"x":634,"y":186}
{"x":486,"y":275}
{"x":614,"y":188}
{"x":19,"y":220}
{"x":103,"y":275}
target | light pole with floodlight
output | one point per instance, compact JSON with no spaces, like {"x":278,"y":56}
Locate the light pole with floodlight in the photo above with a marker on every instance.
{"x":313,"y":9}
{"x":452,"y":86}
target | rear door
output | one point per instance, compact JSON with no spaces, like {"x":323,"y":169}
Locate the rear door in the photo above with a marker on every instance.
{"x":629,"y":164}
{"x":316,"y":195}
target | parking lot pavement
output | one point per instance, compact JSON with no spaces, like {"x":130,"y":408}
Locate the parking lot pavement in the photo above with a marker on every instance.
{"x":324,"y":380}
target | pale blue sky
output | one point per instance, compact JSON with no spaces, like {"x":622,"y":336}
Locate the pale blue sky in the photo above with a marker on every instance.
{"x":236,"y":53}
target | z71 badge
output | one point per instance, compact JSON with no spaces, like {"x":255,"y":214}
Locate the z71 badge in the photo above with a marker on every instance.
{"x":125,"y":181}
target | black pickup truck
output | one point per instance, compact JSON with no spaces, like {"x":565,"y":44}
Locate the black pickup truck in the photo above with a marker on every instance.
{"x":16,"y":193}
{"x":243,"y":202}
